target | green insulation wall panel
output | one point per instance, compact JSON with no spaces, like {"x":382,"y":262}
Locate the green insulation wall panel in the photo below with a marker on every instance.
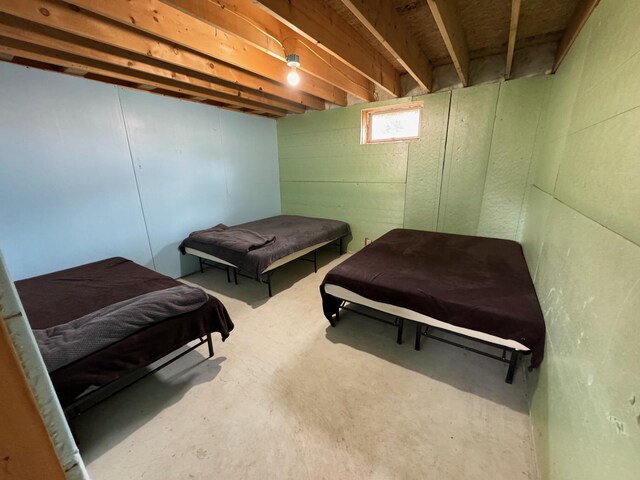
{"x":425,"y":164}
{"x":302,"y":157}
{"x":467,"y":154}
{"x":326,"y":172}
{"x":581,"y":232}
{"x":512,"y":142}
{"x":606,"y":191}
{"x":371,"y":209}
{"x":585,"y":398}
{"x":547,"y":155}
{"x":461,"y":176}
{"x":533,"y":226}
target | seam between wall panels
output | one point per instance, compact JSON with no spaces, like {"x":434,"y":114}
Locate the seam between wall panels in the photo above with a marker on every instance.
{"x":444,"y":161}
{"x":568,"y":135}
{"x":547,"y":94}
{"x":575,"y":209}
{"x":406,"y":170}
{"x":135,"y":176}
{"x":486,"y":171}
{"x":443,"y":151}
{"x":224,"y":157}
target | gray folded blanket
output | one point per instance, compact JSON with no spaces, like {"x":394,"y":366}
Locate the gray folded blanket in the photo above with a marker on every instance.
{"x":236,"y":239}
{"x":63,"y":344}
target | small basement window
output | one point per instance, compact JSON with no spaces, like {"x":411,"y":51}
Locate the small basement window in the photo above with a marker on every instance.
{"x":395,"y":123}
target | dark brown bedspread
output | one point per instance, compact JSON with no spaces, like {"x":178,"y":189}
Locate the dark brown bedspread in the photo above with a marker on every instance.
{"x":482,"y":284}
{"x":60,"y":297}
{"x":292,"y":233}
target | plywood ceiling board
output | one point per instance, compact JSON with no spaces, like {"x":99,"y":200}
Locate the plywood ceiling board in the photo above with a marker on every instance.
{"x":539,"y":18}
{"x":362,"y":30}
{"x":418,"y":18}
{"x":486,"y":25}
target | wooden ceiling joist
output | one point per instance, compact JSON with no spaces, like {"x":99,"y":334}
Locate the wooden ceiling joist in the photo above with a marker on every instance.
{"x":61,"y":17}
{"x":513,"y":34}
{"x":385,"y":24}
{"x":63,"y":42}
{"x":579,"y":18}
{"x":448,"y":21}
{"x":320,"y":24}
{"x":47,"y":55}
{"x":163,"y":21}
{"x":245,"y":20}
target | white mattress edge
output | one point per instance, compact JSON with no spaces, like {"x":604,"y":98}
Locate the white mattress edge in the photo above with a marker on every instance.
{"x":276,"y":264}
{"x":345,"y":294}
{"x":198,"y":253}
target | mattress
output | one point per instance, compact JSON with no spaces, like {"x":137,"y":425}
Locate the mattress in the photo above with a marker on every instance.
{"x":60,"y":297}
{"x":293,"y":234}
{"x":273,"y":266}
{"x":475,"y":284}
{"x":344,"y":294}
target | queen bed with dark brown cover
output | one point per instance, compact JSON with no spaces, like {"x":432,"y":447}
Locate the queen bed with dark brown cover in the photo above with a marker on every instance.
{"x":255,"y":249}
{"x":474,"y":287}
{"x":57,"y":299}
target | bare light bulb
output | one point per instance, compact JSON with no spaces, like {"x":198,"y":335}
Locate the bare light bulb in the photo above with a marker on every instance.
{"x":293,"y":77}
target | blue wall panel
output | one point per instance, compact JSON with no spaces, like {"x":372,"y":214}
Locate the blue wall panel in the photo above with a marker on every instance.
{"x":89,"y":170}
{"x":250,"y":152}
{"x":175,"y":147}
{"x":67,"y":191}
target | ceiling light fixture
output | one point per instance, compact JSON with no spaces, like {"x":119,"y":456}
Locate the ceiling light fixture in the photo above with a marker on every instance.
{"x":293,"y":77}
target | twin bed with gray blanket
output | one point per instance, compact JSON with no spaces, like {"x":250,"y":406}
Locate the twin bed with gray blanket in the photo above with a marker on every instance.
{"x":99,"y":322}
{"x":255,"y":249}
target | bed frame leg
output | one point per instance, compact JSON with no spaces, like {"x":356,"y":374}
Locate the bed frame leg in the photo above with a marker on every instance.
{"x":513,"y":363}
{"x":341,"y":247}
{"x":235,"y":276}
{"x":210,"y":345}
{"x":269,"y":284}
{"x":228,"y":277}
{"x":400,"y":330}
{"x":201,"y":265}
{"x":315,"y":261}
{"x":418,"y":335}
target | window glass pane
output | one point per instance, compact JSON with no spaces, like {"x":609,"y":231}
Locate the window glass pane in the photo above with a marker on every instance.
{"x":395,"y":125}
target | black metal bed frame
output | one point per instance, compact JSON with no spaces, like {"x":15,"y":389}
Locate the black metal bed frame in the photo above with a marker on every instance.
{"x":90,"y":399}
{"x":266,"y":277}
{"x":398,"y":322}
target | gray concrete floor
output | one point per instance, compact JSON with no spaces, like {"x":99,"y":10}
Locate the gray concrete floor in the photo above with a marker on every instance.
{"x":287,"y":396}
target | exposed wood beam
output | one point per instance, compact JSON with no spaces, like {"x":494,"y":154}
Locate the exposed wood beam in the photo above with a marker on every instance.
{"x":38,"y":60}
{"x":64,"y":42}
{"x":513,"y":34}
{"x":448,"y":21}
{"x":48,"y":55}
{"x":247,"y":21}
{"x":156,"y":18}
{"x":583,"y":10}
{"x":320,"y":24}
{"x":61,"y":16}
{"x":384,"y":23}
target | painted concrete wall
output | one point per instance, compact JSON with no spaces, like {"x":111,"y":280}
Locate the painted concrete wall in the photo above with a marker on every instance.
{"x":89,"y":170}
{"x":581,"y":235}
{"x":467,"y":174}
